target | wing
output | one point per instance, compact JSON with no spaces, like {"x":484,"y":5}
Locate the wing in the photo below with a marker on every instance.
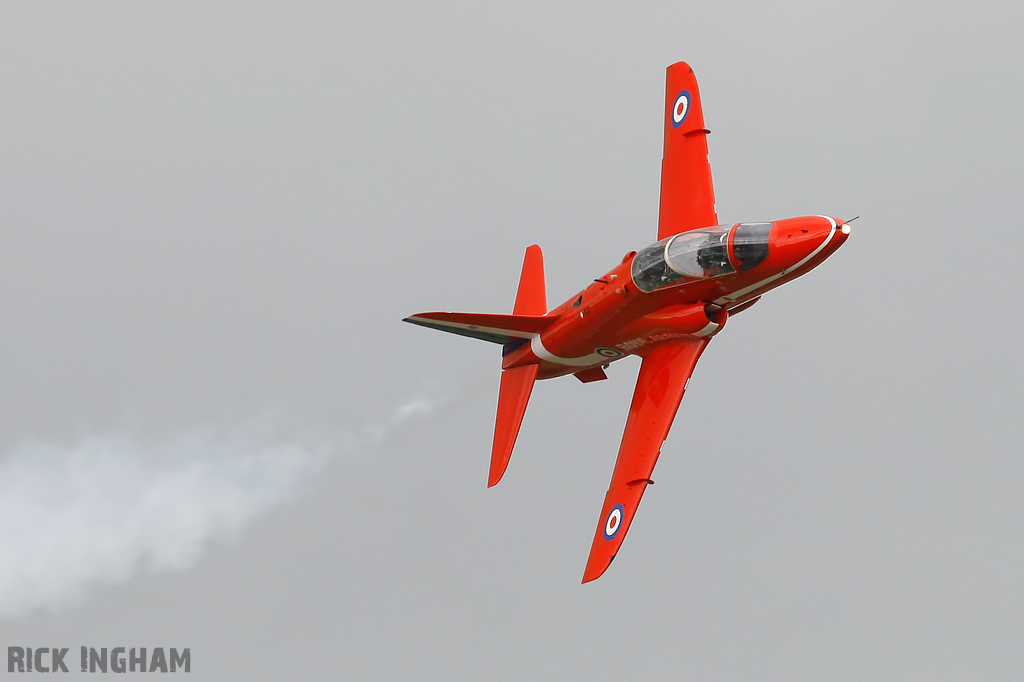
{"x":687,"y":194}
{"x":659,"y":389}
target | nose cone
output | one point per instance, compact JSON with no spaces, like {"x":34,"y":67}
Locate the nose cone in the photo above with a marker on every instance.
{"x":797,"y":241}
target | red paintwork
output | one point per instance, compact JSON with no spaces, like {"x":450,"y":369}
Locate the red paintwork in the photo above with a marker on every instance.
{"x":532,"y":298}
{"x":615,"y":314}
{"x":517,"y":383}
{"x":659,"y":388}
{"x":513,"y":396}
{"x":612,"y":318}
{"x":687,"y":194}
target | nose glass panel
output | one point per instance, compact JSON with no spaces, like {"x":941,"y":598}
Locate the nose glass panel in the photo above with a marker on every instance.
{"x":750,"y":244}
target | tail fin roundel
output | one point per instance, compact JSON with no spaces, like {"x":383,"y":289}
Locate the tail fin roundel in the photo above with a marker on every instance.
{"x":517,"y":383}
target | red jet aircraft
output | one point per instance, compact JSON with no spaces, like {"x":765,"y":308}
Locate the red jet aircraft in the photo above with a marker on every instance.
{"x":663,"y":303}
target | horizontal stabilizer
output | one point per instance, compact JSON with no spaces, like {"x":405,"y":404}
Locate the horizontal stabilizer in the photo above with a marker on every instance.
{"x":513,"y":397}
{"x":494,"y":328}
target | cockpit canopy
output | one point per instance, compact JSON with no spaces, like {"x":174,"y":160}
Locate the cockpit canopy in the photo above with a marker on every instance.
{"x":701,"y":254}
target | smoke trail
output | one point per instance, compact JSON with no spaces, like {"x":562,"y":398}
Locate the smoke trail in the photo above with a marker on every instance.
{"x":361,"y":442}
{"x":76,"y":518}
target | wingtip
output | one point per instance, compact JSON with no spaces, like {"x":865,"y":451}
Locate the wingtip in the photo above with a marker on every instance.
{"x":496,"y":472}
{"x":595,"y":571}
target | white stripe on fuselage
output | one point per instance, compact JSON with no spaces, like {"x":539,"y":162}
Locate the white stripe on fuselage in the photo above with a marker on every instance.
{"x":708,"y":330}
{"x":537,"y":346}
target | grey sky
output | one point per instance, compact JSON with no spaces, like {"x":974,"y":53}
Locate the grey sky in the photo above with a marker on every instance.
{"x":213,"y":212}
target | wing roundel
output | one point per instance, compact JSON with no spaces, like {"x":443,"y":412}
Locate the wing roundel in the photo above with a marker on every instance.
{"x":687,"y":193}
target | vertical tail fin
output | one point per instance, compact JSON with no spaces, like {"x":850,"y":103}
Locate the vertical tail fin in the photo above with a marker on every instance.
{"x":517,"y":383}
{"x":532,"y":298}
